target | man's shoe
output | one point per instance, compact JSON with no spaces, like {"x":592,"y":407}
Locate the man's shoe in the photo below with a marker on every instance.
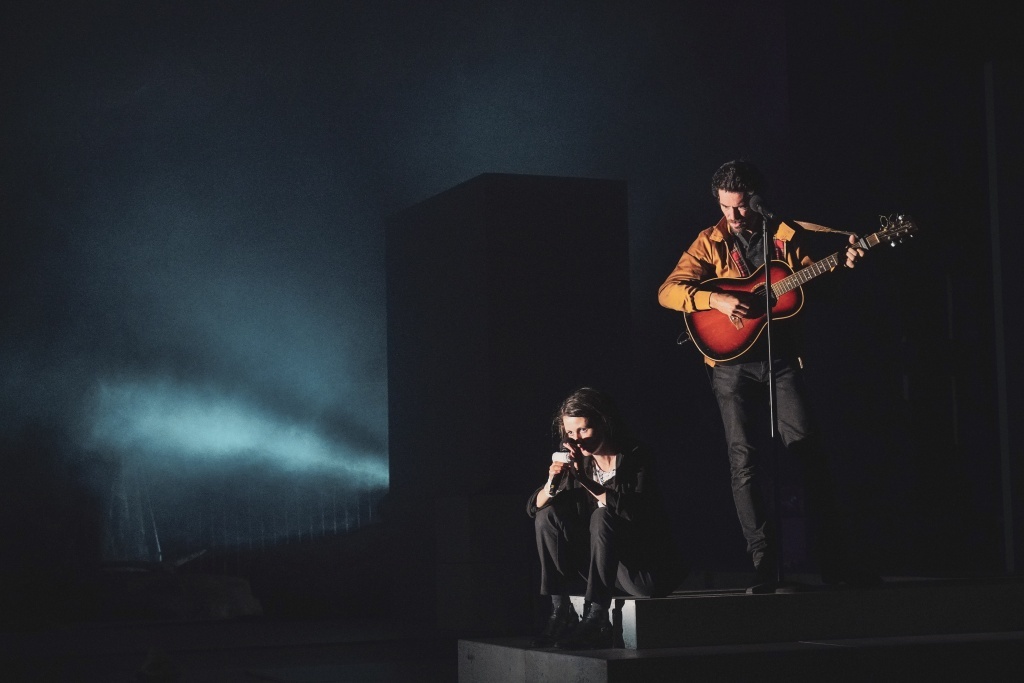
{"x":766,"y":575}
{"x":561,"y":621}
{"x":593,"y":632}
{"x":762,"y":587}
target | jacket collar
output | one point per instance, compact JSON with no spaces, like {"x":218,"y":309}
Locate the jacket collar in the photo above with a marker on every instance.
{"x":720,"y":232}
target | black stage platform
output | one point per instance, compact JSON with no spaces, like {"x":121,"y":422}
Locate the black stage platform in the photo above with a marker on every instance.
{"x":950,"y":629}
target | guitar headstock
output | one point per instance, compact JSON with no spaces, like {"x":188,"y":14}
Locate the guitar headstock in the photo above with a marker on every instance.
{"x":895,"y":229}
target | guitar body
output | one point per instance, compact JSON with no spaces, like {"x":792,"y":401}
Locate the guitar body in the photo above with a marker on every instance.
{"x":720,"y":338}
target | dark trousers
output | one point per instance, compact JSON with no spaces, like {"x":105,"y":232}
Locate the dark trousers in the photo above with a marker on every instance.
{"x":742,"y":393}
{"x":602,"y":552}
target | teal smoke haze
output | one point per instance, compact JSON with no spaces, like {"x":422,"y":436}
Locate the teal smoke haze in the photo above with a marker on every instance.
{"x":168,"y":420}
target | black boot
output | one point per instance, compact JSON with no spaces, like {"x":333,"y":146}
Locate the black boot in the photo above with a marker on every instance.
{"x":766,"y":574}
{"x":563,"y":618}
{"x":593,"y":632}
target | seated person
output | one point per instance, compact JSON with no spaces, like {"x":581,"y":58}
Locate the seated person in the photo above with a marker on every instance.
{"x":600,"y":523}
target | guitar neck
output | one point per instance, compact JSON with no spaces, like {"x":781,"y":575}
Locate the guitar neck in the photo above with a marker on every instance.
{"x":804,"y":275}
{"x":820,"y":267}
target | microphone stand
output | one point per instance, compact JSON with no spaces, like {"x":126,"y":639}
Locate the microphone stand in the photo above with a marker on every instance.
{"x":773,"y":420}
{"x":781,"y":585}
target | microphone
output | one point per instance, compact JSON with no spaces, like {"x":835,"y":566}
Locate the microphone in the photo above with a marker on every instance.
{"x":757,"y":204}
{"x":556,"y":481}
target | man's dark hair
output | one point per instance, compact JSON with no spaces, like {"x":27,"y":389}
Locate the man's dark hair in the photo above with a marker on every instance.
{"x":600,"y":411}
{"x":738,"y":175}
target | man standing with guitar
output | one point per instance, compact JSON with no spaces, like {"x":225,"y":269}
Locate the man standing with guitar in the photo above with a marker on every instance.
{"x":719,"y":284}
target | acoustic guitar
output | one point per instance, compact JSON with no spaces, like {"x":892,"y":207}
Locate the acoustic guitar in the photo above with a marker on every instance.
{"x":724,"y":338}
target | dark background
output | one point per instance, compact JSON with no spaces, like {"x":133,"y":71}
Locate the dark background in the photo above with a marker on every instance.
{"x":194,"y":196}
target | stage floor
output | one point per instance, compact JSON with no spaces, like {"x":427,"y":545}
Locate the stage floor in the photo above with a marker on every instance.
{"x":966,"y":631}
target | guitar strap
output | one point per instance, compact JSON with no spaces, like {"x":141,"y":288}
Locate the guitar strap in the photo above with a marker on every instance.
{"x":814,"y":227}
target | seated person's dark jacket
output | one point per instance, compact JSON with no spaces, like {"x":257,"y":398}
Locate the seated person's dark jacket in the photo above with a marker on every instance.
{"x":633,"y":494}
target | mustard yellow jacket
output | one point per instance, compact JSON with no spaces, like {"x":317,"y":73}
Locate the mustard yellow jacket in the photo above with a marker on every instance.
{"x":708,"y":257}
